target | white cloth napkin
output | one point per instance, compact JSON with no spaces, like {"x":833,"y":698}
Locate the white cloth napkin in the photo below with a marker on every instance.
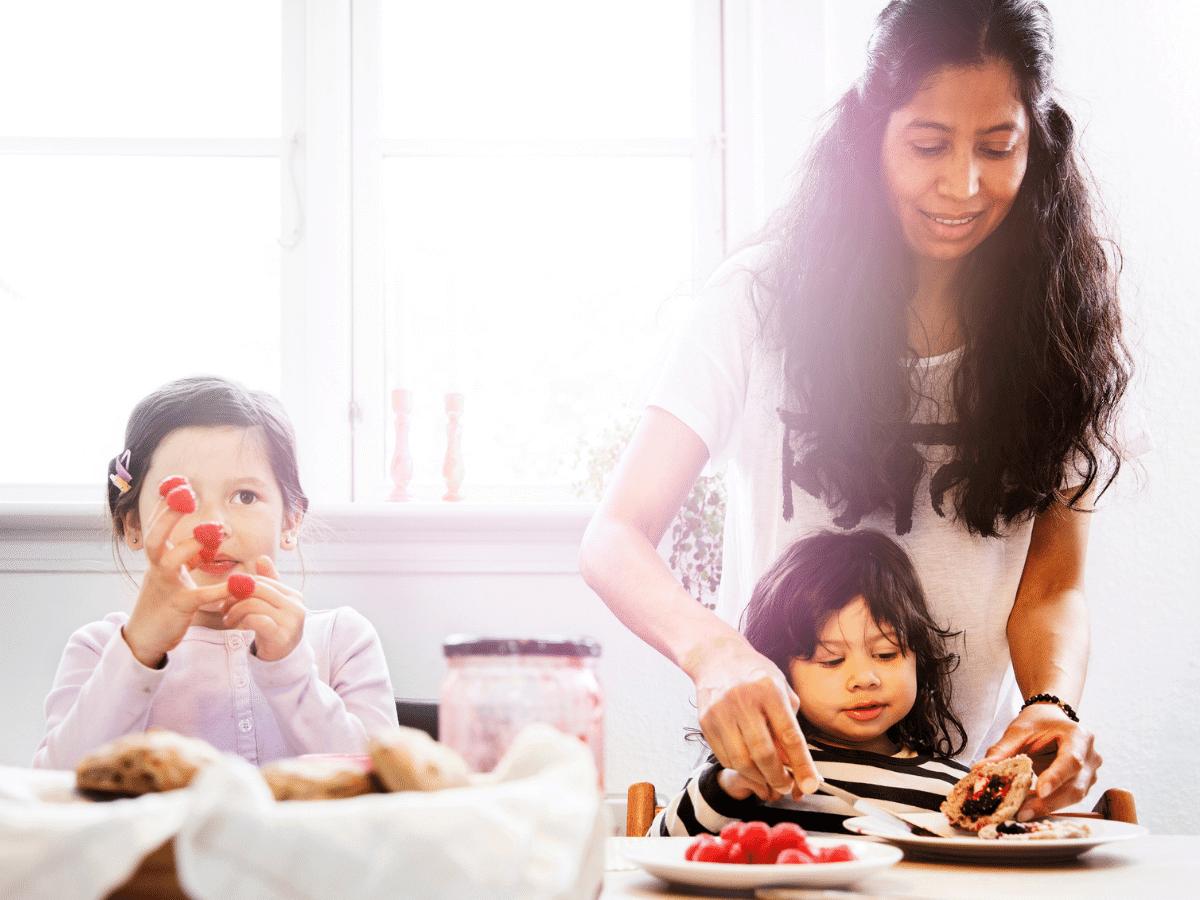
{"x":54,"y":845}
{"x":534,"y":829}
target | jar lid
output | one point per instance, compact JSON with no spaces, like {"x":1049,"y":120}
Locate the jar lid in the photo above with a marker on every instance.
{"x":549,"y":645}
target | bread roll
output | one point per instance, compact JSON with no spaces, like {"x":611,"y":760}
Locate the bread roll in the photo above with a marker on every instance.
{"x":407,"y":759}
{"x":990,"y":793}
{"x":316,"y":779}
{"x":155,"y":760}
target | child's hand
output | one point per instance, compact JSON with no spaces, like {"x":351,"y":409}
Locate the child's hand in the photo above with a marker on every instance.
{"x":274,"y":612}
{"x":169,"y":598}
{"x":739,"y":787}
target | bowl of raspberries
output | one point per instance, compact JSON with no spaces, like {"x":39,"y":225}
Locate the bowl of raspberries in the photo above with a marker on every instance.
{"x":759,"y":844}
{"x":747,"y":855}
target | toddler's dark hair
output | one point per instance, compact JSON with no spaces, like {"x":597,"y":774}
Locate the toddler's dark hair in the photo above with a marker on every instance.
{"x":815,"y":578}
{"x":205,"y":401}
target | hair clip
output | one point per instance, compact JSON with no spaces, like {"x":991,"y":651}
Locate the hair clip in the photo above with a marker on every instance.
{"x":122,"y":478}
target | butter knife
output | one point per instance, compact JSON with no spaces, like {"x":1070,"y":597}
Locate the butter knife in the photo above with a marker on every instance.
{"x":867,"y":808}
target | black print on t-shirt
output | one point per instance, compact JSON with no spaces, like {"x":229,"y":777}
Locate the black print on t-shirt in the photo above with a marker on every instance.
{"x":915,"y":434}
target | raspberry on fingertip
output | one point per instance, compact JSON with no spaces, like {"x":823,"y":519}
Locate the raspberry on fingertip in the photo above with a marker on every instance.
{"x":241,"y":585}
{"x":170,"y":483}
{"x":182,"y":499}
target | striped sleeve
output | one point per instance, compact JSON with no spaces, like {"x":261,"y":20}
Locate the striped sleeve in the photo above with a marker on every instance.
{"x":900,"y":783}
{"x":703,"y":807}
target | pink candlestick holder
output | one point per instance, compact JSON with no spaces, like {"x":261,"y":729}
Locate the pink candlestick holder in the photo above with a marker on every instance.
{"x":454,"y":468}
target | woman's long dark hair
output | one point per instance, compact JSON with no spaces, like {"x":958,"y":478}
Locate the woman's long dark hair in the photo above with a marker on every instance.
{"x":1044,"y":365}
{"x":815,"y":578}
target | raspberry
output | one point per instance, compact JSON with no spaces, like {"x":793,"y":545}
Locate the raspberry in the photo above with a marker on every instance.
{"x":241,"y":585}
{"x":785,"y":836}
{"x":755,"y":838}
{"x":210,"y":534}
{"x":181,"y":499}
{"x":206,"y":555}
{"x":711,"y":850}
{"x":840,"y":853}
{"x":732,"y":832}
{"x":170,"y":483}
{"x":793,"y":856}
{"x":736,"y":853}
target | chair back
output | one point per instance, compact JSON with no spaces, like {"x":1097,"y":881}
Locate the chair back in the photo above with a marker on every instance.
{"x":421,"y":714}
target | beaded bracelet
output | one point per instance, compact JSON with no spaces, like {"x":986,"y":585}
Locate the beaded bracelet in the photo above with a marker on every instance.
{"x":1050,"y":698}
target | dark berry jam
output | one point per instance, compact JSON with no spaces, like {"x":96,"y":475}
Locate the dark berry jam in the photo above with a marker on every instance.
{"x":987,"y":799}
{"x":1011,"y":827}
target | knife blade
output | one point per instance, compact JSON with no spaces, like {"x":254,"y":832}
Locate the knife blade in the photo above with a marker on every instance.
{"x":867,"y":808}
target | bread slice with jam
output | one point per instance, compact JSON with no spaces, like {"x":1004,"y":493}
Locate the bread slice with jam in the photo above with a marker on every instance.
{"x":990,"y":793}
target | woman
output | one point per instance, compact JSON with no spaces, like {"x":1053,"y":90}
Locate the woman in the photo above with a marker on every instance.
{"x":926,"y":341}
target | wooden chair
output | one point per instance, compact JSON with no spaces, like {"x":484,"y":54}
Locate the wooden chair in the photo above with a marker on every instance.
{"x":641,"y":809}
{"x":1115,"y":805}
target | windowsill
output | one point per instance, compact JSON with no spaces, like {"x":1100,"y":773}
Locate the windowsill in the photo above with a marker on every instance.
{"x":421,"y":537}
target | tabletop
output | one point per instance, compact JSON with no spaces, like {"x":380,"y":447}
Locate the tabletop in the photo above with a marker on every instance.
{"x":1159,"y":866}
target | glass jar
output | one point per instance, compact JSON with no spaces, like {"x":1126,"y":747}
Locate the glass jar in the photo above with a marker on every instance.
{"x":495,"y":686}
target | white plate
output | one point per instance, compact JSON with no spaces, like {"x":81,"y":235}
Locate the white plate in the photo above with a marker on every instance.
{"x":970,"y":846}
{"x":663,"y":857}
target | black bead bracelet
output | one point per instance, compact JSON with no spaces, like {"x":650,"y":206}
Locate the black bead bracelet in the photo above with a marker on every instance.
{"x":1050,"y":698}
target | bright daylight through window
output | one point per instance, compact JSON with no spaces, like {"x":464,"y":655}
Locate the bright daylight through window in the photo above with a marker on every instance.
{"x":506,"y":200}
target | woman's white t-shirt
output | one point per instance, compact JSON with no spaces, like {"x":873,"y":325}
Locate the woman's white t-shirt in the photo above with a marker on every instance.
{"x":727,"y":386}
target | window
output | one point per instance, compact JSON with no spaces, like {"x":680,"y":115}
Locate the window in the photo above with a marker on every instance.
{"x":140,"y":172}
{"x":335,"y":200}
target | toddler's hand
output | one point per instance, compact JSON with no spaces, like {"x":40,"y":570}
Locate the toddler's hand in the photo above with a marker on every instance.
{"x":739,"y":787}
{"x":169,"y":598}
{"x":274,"y":612}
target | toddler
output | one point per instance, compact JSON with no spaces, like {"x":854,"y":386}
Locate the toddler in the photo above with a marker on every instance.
{"x":240,"y":663}
{"x":844,"y":616}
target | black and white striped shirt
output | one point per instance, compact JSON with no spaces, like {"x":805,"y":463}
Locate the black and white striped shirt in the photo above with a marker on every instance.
{"x":906,"y":782}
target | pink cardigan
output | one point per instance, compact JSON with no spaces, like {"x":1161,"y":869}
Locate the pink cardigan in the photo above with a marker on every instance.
{"x":326,"y":696}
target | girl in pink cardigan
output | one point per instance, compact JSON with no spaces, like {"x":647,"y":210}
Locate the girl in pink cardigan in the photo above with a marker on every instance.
{"x":217,"y":646}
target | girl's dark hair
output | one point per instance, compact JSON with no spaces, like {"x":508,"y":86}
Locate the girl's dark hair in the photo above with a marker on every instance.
{"x":204,"y":401}
{"x":815,"y":578}
{"x":1044,"y":365}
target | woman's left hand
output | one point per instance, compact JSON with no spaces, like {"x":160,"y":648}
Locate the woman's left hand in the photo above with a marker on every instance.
{"x":1063,"y":755}
{"x":274,"y":612}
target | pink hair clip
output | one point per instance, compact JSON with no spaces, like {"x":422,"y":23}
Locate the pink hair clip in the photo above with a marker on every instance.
{"x":122,"y":479}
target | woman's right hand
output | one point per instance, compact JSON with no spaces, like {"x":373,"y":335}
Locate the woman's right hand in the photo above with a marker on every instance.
{"x":748,"y":716}
{"x":169,"y":598}
{"x":747,"y":708}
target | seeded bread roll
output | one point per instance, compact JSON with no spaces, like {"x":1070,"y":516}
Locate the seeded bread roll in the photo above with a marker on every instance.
{"x":316,"y":779}
{"x":990,"y":793}
{"x":407,"y":759}
{"x":155,"y":760}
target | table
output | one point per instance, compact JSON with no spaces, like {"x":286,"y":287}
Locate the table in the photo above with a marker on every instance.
{"x":1158,"y":866}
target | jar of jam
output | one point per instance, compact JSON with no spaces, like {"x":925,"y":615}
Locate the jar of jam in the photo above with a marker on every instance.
{"x":495,"y":686}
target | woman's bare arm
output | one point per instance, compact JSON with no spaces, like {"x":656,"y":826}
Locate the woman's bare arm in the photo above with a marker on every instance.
{"x":747,"y":709}
{"x":1049,"y":636}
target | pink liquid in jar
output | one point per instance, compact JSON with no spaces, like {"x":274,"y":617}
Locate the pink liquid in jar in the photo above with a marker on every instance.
{"x":495,"y":686}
